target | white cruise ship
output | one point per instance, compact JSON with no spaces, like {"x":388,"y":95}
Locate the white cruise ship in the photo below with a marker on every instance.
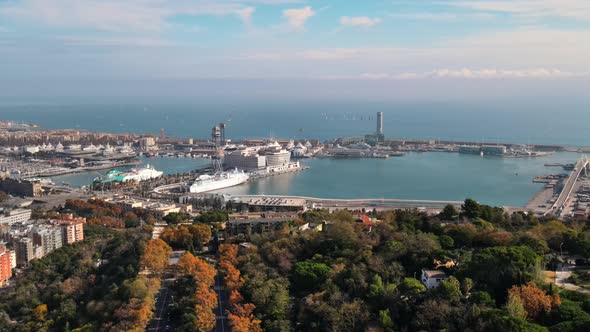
{"x":219,"y":180}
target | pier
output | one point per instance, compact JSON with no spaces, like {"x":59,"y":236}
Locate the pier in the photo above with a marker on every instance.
{"x":569,"y":185}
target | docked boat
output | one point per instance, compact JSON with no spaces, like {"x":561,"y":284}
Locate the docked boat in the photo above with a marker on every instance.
{"x":135,"y":174}
{"x":220,"y":180}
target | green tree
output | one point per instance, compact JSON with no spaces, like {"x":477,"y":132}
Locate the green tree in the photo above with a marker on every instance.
{"x":411,"y":286}
{"x":450,"y":289}
{"x":176,"y":217}
{"x":466,"y":286}
{"x":385,"y":320}
{"x":446,"y":242}
{"x":449,"y":212}
{"x":308,"y":276}
{"x":471,"y":208}
{"x":376,"y":288}
{"x":515,"y":307}
{"x":499,"y":268}
{"x":271,"y":298}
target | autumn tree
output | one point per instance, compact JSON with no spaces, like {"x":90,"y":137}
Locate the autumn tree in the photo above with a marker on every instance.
{"x":232,"y":277}
{"x":155,"y":255}
{"x":534,"y":300}
{"x":205,"y":298}
{"x":187,"y":264}
{"x":206,"y":301}
{"x":201,"y":271}
{"x":228,"y":253}
{"x":40,"y":312}
{"x":242,"y":319}
{"x":200,"y":234}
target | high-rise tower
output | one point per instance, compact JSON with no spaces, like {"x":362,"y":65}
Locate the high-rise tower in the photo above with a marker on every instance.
{"x":379,"y":132}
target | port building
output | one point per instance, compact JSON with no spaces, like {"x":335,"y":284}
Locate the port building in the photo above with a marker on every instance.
{"x":270,"y":156}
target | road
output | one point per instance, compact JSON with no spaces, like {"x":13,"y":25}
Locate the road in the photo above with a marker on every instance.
{"x":561,"y":277}
{"x":568,"y":187}
{"x":160,"y":321}
{"x":223,"y":305}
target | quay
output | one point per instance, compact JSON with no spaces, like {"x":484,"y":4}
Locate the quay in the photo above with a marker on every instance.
{"x":335,"y":204}
{"x":63,"y":171}
{"x":563,"y":200}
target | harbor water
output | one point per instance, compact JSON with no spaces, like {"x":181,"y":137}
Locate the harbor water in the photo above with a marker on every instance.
{"x":424,"y":176}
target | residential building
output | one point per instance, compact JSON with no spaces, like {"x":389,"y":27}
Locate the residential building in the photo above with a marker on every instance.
{"x":24,"y":251}
{"x":48,"y":238}
{"x":432,"y":278}
{"x":15,"y":216}
{"x":71,"y":230}
{"x":12,"y":259}
{"x":5,"y":265}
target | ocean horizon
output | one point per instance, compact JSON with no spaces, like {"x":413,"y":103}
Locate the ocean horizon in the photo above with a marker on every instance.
{"x":503,"y":122}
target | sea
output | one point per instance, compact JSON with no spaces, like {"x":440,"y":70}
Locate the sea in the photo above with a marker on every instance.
{"x":430,"y":176}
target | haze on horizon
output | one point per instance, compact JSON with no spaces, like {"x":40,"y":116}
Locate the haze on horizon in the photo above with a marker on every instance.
{"x":295,"y":48}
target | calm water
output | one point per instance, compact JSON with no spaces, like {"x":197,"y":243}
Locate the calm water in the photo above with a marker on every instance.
{"x":431,"y":176}
{"x":547,"y":122}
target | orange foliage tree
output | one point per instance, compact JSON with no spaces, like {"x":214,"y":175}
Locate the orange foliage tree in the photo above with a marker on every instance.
{"x":205,"y":298}
{"x":232,"y":278}
{"x":107,"y":222}
{"x":228,"y":253}
{"x":200,"y":233}
{"x":155,"y":255}
{"x":534,"y":300}
{"x":241,"y":317}
{"x":201,"y":271}
{"x":243,"y":320}
{"x":205,"y":320}
{"x":235,"y":297}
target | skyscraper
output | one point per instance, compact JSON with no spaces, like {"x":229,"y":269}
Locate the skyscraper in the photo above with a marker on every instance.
{"x":379,"y":132}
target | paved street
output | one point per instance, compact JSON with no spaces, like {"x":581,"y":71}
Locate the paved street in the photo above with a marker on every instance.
{"x":223,"y":305}
{"x":161,"y":322}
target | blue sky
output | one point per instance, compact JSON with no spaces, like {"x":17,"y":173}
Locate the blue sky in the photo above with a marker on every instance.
{"x":378,"y":40}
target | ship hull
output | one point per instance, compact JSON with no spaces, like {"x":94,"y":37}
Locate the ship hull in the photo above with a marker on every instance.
{"x":220,"y":184}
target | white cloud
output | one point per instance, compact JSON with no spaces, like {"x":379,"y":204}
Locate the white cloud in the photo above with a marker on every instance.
{"x":492,"y":73}
{"x":119,"y":15}
{"x":534,"y":47}
{"x":363,"y":21}
{"x":578,"y":9}
{"x":296,"y":18}
{"x":464,"y":73}
{"x":245,"y":14}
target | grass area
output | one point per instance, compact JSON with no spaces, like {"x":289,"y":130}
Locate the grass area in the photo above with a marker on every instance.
{"x":581,"y":278}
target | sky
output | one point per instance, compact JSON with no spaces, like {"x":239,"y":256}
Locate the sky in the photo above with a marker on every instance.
{"x":56,"y":44}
